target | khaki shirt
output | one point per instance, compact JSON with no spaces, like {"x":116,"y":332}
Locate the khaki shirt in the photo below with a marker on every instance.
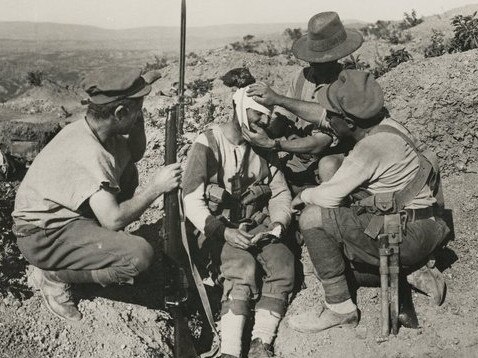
{"x":66,"y":173}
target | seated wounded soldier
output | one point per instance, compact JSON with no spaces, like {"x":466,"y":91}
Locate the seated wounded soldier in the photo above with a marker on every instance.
{"x":245,"y":225}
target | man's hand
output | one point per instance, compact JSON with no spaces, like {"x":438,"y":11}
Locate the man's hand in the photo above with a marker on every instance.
{"x":167,"y":178}
{"x":273,"y":231}
{"x":259,"y":138}
{"x":238,"y":238}
{"x":297,"y":204}
{"x":263,"y":94}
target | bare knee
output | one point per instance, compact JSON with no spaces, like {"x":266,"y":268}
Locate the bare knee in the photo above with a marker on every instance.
{"x":329,"y":165}
{"x":311,"y":217}
{"x":142,"y":254}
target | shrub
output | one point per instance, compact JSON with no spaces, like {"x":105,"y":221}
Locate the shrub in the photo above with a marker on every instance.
{"x":257,"y":46}
{"x":397,"y":57}
{"x":386,"y":30}
{"x":35,"y":78}
{"x":200,"y":87}
{"x":397,"y":37}
{"x":355,"y":63}
{"x":385,"y":64}
{"x":159,"y":63}
{"x":437,"y":46}
{"x":410,"y":20}
{"x":380,"y":29}
{"x":12,"y":263}
{"x":293,"y":34}
{"x":270,"y":50}
{"x":466,"y":33}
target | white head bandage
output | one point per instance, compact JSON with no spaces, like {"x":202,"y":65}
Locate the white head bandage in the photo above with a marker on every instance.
{"x":243,"y":102}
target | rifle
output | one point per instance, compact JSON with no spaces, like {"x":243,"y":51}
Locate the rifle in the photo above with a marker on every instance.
{"x":176,"y":284}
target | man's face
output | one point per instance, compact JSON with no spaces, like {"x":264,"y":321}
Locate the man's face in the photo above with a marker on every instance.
{"x":258,"y":118}
{"x":130,"y":115}
{"x":341,"y":125}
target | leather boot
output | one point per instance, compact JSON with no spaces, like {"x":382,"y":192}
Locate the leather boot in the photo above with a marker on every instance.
{"x":259,"y":349}
{"x":325,"y":319}
{"x":56,"y":295}
{"x":429,"y":281}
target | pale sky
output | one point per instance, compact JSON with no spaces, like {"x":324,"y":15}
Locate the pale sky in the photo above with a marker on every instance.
{"x":118,"y":14}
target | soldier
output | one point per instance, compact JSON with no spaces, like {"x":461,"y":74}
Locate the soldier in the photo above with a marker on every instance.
{"x":314,"y":154}
{"x":78,"y":194}
{"x":241,"y":206}
{"x":386,"y":163}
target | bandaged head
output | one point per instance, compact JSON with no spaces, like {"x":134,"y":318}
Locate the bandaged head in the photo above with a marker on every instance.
{"x":243,"y":102}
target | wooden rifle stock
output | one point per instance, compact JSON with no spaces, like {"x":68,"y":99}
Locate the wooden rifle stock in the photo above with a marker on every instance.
{"x":176,"y":283}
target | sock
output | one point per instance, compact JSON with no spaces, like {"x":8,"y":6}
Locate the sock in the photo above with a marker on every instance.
{"x":232,"y":326}
{"x":342,"y":307}
{"x":265,"y":326}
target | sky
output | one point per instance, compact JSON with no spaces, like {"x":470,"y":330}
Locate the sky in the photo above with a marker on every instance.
{"x":118,"y":14}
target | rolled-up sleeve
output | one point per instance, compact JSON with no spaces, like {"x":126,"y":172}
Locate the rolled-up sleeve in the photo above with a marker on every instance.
{"x":355,"y":170}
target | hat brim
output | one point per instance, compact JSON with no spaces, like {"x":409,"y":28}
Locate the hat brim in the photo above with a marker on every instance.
{"x":103,"y":99}
{"x":353,"y":41}
{"x":323,"y":99}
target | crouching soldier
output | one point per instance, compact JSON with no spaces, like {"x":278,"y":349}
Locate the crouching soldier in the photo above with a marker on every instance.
{"x":79,"y":193}
{"x":241,"y":205}
{"x":397,"y":177}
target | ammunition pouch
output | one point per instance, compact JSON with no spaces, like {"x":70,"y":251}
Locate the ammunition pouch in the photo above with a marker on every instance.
{"x":257,"y":192}
{"x":253,"y":201}
{"x":378,"y":204}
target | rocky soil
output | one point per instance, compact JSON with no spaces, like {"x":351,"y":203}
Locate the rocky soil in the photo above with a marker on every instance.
{"x":436,"y":98}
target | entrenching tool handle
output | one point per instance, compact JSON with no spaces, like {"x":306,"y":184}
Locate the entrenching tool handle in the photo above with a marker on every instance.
{"x":384,"y":286}
{"x":394,"y":276}
{"x":393,"y":228}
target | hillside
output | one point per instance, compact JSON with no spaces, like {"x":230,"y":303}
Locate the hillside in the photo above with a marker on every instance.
{"x":436,"y":98}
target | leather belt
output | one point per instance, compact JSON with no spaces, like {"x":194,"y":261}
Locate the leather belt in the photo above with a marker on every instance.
{"x":419,"y":214}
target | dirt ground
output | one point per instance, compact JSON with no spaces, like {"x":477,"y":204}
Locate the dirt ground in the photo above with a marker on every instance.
{"x":129,"y":321}
{"x":436,"y":98}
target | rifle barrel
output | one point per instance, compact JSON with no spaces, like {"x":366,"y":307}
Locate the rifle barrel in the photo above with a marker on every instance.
{"x":182,"y":59}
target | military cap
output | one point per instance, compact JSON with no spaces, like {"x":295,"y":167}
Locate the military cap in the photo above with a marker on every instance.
{"x":355,"y":94}
{"x":116,"y":83}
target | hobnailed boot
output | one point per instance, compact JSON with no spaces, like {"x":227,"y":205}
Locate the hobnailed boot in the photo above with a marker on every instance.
{"x":429,"y":281}
{"x":56,"y":295}
{"x":259,"y":349}
{"x":325,"y":319}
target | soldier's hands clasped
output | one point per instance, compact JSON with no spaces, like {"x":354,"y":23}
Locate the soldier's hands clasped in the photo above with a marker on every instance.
{"x":167,"y":178}
{"x":238,"y":238}
{"x":263,"y":94}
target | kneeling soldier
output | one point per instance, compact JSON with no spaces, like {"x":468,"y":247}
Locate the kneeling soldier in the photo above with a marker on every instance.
{"x":243,"y":221}
{"x":78,"y":195}
{"x":399,"y":181}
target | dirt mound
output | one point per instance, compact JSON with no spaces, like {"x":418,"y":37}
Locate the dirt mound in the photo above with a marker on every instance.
{"x":50,"y":97}
{"x":437,"y":99}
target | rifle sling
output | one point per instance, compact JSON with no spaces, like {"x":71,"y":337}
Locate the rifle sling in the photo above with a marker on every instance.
{"x":198,"y":281}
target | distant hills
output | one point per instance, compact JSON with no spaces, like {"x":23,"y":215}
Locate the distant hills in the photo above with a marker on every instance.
{"x":31,"y":35}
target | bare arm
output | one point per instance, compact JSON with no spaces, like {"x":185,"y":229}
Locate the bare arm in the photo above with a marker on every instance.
{"x":313,"y":144}
{"x":115,"y":216}
{"x":309,"y":111}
